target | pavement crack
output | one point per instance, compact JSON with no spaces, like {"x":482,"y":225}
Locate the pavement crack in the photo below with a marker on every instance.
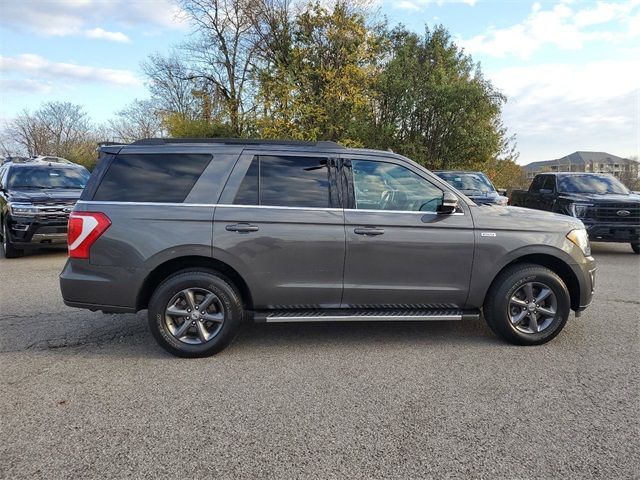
{"x":63,"y":342}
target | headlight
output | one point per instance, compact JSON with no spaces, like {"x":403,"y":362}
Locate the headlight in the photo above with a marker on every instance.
{"x":581,"y":239}
{"x":579,"y":210}
{"x":23,"y":209}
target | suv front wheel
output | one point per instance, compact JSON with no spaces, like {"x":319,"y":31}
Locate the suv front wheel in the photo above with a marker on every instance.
{"x":527,"y":304}
{"x":195,"y":313}
{"x":7,"y":247}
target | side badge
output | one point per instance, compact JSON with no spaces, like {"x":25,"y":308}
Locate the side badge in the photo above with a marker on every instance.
{"x":487,"y":234}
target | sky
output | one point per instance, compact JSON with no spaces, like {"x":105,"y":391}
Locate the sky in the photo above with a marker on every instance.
{"x":570,"y":69}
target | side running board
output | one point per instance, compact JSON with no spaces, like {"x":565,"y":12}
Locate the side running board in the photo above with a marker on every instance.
{"x":368,"y":315}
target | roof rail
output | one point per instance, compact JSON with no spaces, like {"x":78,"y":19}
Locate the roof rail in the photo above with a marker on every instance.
{"x":236,"y":141}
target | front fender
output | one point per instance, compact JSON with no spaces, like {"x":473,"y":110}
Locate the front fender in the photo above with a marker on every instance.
{"x":491,"y":258}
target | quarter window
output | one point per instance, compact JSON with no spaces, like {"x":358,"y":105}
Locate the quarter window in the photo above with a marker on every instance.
{"x":386,"y":186}
{"x":151,"y":177}
{"x":286,"y":181}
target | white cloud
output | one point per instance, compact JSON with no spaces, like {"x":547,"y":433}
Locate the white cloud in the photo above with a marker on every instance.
{"x":592,"y":80}
{"x":419,"y":5}
{"x":556,"y":109}
{"x":76,"y":17}
{"x":23,"y":85}
{"x":104,"y":34}
{"x":561,"y":27}
{"x":34,"y":68}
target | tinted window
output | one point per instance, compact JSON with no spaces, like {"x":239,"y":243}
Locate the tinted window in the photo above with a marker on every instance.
{"x":385,"y":186}
{"x":537,"y":183}
{"x":151,"y":177}
{"x":48,"y":177}
{"x":286,"y":181}
{"x":248,"y":191}
{"x":550,"y":183}
{"x":598,"y":184}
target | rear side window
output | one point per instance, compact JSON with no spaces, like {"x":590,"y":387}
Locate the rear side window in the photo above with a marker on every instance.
{"x":165,"y":178}
{"x":537,"y":183}
{"x":550,"y":183}
{"x":286,"y":181}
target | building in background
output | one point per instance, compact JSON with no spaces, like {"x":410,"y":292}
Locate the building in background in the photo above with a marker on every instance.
{"x":596,"y":162}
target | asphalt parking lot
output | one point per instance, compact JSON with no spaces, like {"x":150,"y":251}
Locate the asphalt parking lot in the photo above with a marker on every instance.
{"x":88,"y":395}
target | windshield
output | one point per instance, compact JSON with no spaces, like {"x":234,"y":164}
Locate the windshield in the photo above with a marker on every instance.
{"x":598,"y":184}
{"x":468,"y":182}
{"x":48,"y":177}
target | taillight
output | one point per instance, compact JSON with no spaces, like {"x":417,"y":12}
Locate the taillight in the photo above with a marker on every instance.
{"x":83,"y":230}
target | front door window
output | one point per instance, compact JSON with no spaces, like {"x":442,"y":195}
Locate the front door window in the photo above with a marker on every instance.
{"x":386,"y":186}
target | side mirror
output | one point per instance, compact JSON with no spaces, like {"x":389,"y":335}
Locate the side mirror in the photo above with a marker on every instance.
{"x":502,"y":191}
{"x":449,"y":204}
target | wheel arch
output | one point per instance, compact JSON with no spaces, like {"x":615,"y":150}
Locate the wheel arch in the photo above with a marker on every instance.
{"x":164,"y":270}
{"x":553,"y":263}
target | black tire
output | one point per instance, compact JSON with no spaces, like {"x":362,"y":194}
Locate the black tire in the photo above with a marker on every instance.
{"x":636,"y":248}
{"x":230,"y":304}
{"x":497,"y":307}
{"x":7,"y":247}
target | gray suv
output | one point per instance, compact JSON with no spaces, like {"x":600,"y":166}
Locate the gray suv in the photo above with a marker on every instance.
{"x":205,"y":234}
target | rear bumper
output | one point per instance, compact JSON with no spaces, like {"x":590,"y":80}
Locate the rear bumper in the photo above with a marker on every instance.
{"x":613,"y":232}
{"x":111,"y":289}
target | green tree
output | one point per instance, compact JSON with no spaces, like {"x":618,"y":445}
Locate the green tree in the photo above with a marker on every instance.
{"x":434,"y":105}
{"x":505,"y":174}
{"x":319,"y":78}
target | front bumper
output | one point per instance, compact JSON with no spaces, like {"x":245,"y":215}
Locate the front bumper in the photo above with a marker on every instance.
{"x":37,"y":232}
{"x":613,"y":232}
{"x":586,"y":275}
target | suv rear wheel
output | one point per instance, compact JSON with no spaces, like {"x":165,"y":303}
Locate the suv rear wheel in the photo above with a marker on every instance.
{"x":636,"y":248}
{"x":7,"y":247}
{"x":195,"y":313}
{"x":527,"y":305}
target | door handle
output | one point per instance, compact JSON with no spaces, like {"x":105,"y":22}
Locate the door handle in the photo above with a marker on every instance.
{"x":242,"y":228}
{"x":368,"y":231}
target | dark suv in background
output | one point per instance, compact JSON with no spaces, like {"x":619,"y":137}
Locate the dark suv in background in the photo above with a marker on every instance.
{"x":36,"y":197}
{"x":206,"y":233}
{"x":475,"y":185}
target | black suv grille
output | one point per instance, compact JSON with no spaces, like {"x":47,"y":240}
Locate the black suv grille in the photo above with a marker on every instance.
{"x":615,"y":213}
{"x":55,"y":211}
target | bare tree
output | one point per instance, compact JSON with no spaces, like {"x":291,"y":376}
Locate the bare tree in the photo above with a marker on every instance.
{"x":53,"y":129}
{"x":8,"y":145}
{"x":141,"y":119}
{"x":61,"y":129}
{"x":222,"y":52}
{"x":171,"y":85}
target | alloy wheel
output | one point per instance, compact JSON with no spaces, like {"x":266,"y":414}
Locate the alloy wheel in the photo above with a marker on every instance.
{"x":532,"y":308}
{"x":194,"y":316}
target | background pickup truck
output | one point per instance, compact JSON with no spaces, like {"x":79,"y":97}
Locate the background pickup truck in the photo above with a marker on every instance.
{"x":609,"y":211}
